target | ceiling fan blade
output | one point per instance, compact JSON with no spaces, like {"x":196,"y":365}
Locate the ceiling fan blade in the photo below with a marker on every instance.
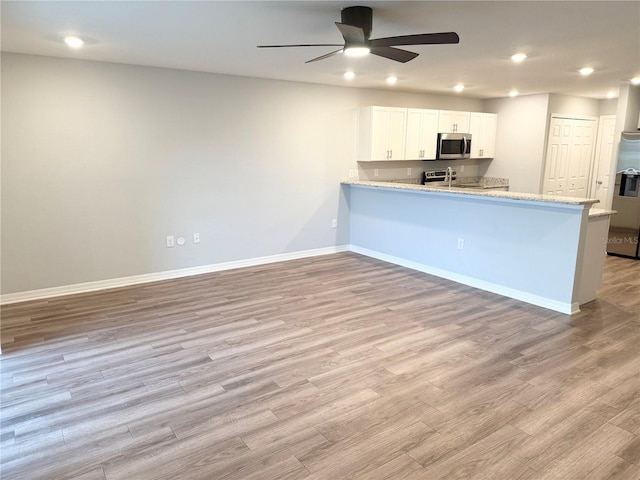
{"x":325,"y":56}
{"x":351,"y":34}
{"x":394,"y":54}
{"x":307,"y":45}
{"x":419,"y":39}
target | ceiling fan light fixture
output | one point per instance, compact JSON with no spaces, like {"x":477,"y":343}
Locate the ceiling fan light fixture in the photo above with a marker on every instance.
{"x":354,"y":52}
{"x":392,"y":80}
{"x":519,"y":57}
{"x":459,"y":87}
{"x":586,"y":71}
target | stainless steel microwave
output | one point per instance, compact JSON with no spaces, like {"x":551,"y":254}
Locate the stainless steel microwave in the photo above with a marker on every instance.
{"x":453,"y":145}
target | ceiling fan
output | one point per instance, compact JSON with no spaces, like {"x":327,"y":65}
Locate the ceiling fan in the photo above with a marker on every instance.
{"x":356,"y":29}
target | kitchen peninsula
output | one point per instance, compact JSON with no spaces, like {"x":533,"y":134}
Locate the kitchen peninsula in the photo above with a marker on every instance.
{"x":541,"y":249}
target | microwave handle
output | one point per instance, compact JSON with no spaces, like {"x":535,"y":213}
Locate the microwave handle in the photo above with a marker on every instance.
{"x":463,"y":146}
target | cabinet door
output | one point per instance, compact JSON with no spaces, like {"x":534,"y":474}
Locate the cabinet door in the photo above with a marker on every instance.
{"x":475,"y":129}
{"x":379,"y":129}
{"x":453,"y":122}
{"x":396,"y":133}
{"x":482,"y":127}
{"x":429,"y":133}
{"x":445,"y":122}
{"x":461,"y":122}
{"x":489,"y":130}
{"x":413,"y":147}
{"x":422,"y":134}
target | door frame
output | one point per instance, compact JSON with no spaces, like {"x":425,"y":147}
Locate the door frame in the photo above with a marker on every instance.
{"x":596,"y":162}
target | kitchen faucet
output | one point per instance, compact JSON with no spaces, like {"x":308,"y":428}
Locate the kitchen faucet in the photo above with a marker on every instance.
{"x":449,"y":175}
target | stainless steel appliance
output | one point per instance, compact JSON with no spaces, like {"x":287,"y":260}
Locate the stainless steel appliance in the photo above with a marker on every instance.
{"x":624,"y":229}
{"x":438,"y":177}
{"x":453,"y":146}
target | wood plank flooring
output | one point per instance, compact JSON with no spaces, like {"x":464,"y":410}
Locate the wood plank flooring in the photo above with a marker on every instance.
{"x":333,"y":367}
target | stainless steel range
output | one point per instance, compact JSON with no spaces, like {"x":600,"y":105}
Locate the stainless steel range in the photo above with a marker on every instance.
{"x":438,"y":177}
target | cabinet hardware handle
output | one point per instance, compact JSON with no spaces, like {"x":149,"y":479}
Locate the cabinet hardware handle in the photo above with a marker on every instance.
{"x":599,"y":182}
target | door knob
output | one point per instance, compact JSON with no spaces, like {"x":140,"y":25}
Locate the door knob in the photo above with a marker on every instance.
{"x":599,"y":182}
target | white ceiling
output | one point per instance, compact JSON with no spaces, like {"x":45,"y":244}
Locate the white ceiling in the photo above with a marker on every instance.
{"x":221,"y":37}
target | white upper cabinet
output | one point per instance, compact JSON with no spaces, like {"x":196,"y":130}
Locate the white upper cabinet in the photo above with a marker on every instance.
{"x":482,"y":127}
{"x":422,"y":134}
{"x":453,"y":122}
{"x":382,"y":132}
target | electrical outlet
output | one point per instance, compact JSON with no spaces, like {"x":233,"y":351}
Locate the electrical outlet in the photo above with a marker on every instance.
{"x":334,"y":223}
{"x":409,"y":171}
{"x":170,"y":241}
{"x":375,"y":172}
{"x":196,"y":238}
{"x":460,"y":243}
{"x":181,"y":241}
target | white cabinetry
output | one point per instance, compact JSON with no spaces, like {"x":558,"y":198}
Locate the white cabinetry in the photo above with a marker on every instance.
{"x":482,"y":127}
{"x":382,"y":132}
{"x":422,"y":134}
{"x":453,"y":122}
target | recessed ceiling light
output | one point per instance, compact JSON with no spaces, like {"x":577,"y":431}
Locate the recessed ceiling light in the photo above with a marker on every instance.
{"x":391,"y":80}
{"x":73,"y":41}
{"x":459,"y":87}
{"x":635,"y":80}
{"x":518,"y":57}
{"x":514,"y":93}
{"x":585,"y":71}
{"x":356,"y":51}
{"x":611,"y":95}
{"x":349,"y":75}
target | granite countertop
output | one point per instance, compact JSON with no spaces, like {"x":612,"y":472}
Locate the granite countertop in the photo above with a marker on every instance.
{"x":600,"y":212}
{"x":482,"y":182}
{"x":532,"y":197}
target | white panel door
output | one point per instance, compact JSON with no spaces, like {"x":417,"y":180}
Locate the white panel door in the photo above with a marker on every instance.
{"x":603,"y":159}
{"x":555,"y":177}
{"x":585,"y":158}
{"x":569,"y":157}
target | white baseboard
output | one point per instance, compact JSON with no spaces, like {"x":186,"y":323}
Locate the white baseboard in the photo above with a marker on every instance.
{"x":154,"y":277}
{"x":562,"y":307}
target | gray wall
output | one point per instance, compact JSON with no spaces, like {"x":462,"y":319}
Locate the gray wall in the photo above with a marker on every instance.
{"x":101,"y":161}
{"x":520,"y":140}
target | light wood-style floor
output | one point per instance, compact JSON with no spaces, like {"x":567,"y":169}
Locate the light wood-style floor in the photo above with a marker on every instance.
{"x":333,"y":367}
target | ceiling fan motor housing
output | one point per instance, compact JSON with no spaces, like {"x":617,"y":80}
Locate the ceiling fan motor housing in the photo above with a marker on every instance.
{"x":358,"y":17}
